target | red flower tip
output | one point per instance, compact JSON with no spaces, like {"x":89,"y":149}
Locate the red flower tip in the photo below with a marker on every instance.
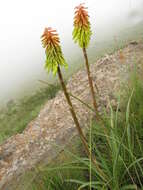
{"x":50,"y":37}
{"x":81,"y":16}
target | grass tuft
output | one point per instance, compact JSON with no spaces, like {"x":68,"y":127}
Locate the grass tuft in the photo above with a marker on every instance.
{"x":118,"y":149}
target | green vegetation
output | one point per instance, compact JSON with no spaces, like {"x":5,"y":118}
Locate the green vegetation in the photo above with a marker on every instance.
{"x":16,"y":115}
{"x":118,"y":148}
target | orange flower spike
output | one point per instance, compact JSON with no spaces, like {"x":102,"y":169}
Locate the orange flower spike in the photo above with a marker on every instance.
{"x":50,"y":37}
{"x":81,"y":35}
{"x":81,"y":15}
{"x":54,"y":56}
{"x":82,"y":31}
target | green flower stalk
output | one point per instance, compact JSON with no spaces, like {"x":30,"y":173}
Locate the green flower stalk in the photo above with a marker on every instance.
{"x":81,"y":35}
{"x":54,"y":60}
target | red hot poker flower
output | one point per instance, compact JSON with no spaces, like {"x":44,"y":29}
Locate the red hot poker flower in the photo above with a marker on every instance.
{"x":54,"y":55}
{"x":55,"y":59}
{"x":81,"y":35}
{"x":50,"y":37}
{"x":81,"y":16}
{"x":82,"y":30}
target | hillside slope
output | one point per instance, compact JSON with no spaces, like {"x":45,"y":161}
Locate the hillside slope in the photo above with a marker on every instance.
{"x":54,"y":124}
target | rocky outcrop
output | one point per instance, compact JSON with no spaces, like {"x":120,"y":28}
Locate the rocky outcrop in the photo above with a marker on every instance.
{"x":54,"y":124}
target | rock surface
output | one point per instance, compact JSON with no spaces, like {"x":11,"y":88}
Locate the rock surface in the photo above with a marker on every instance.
{"x":54,"y":124}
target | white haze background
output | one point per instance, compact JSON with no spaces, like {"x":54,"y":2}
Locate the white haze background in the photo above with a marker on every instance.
{"x":23,"y":21}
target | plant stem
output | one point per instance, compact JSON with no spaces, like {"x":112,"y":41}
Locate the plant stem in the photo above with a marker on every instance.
{"x":83,"y":139}
{"x":81,"y":135}
{"x":90,"y":82}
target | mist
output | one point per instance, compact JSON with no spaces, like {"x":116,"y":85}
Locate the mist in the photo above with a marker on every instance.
{"x":22,"y":23}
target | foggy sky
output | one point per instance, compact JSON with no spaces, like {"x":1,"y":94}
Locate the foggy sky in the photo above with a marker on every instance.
{"x":22,"y":23}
